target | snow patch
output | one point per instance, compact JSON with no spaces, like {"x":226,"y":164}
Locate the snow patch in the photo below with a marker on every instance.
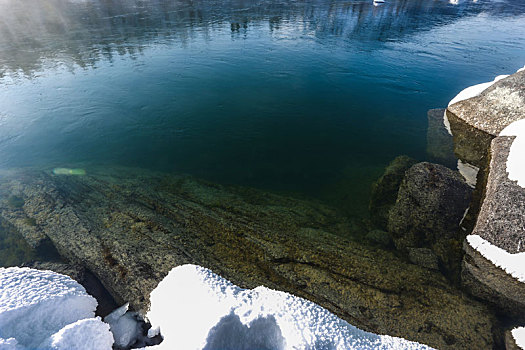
{"x":469,"y":172}
{"x":89,"y":333}
{"x":474,"y":90}
{"x":516,"y":158}
{"x":447,"y":123}
{"x":35,"y":304}
{"x":513,"y":264}
{"x":197,"y":309}
{"x":519,"y":336}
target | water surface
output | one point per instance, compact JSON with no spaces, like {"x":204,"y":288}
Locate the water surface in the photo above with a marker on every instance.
{"x":311,"y":97}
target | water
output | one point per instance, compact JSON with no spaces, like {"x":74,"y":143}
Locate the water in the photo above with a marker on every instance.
{"x":310,"y":97}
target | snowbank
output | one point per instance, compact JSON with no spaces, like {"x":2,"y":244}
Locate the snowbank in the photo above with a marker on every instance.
{"x":519,"y":336}
{"x":35,"y":304}
{"x":513,"y":264}
{"x":38,"y":309}
{"x":90,"y":333}
{"x":197,"y":309}
{"x":516,"y":159}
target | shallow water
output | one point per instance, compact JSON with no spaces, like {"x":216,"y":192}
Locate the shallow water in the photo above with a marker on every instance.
{"x":312,"y":97}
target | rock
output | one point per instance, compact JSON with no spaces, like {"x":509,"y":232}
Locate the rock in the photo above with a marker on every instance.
{"x":440,"y":145}
{"x":501,"y":222}
{"x":131,"y":227}
{"x":475,"y":121}
{"x":430,"y":205}
{"x":384,"y":191}
{"x":381,"y":238}
{"x":510,"y":342}
{"x":496,"y":107}
{"x":423,"y":257}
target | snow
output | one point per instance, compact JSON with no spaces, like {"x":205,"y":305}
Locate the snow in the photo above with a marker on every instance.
{"x":124,"y":326}
{"x":469,"y":172}
{"x":8,"y":344}
{"x":513,"y":264}
{"x":474,"y":90}
{"x":35,"y":304}
{"x":519,"y":336}
{"x":447,"y":123}
{"x":49,"y":311}
{"x":197,"y":309}
{"x":516,"y":159}
{"x":90,"y":333}
{"x":465,"y":94}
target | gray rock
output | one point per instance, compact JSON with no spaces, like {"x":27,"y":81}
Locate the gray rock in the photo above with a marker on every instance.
{"x":440,"y":145}
{"x":510,"y":342}
{"x":430,"y":205}
{"x":131,"y":227}
{"x":423,"y":257}
{"x":384,"y":191}
{"x":380,"y":238}
{"x":498,"y":106}
{"x":501,"y":221}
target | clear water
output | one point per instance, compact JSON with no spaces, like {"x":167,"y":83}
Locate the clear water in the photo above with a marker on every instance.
{"x":313,"y":97}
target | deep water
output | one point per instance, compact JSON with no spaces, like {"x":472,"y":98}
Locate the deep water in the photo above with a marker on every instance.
{"x":310,"y":97}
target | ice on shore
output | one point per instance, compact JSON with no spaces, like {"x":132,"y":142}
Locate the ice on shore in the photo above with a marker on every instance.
{"x":197,"y":309}
{"x":124,"y":326}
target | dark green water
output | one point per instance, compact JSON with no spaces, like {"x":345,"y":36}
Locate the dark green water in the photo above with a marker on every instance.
{"x":312,"y":97}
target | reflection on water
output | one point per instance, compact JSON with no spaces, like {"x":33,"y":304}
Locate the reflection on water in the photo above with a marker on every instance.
{"x":308,"y":96}
{"x":82,"y":32}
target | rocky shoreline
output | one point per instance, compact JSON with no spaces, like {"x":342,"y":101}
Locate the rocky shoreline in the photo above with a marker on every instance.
{"x":416,"y":274}
{"x":479,"y":125}
{"x":130,"y":228}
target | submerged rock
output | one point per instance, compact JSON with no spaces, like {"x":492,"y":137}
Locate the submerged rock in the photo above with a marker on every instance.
{"x":384,"y":191}
{"x":131,"y":227}
{"x":440,"y":144}
{"x":430,"y":205}
{"x":380,"y":237}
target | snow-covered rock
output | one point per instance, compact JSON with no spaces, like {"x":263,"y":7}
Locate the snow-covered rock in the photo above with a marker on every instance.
{"x":90,"y":333}
{"x":519,"y":336}
{"x":35,"y":304}
{"x":474,"y":90}
{"x":513,"y":264}
{"x":515,"y":160}
{"x":197,"y":309}
{"x":124,"y":326}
